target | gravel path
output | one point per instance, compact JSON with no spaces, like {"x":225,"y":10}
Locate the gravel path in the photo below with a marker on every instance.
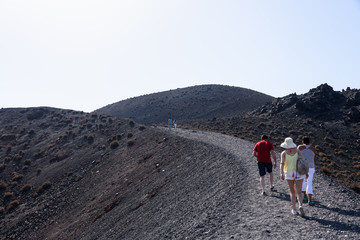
{"x":243,"y":213}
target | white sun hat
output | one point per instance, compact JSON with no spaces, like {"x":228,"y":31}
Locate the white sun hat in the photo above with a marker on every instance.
{"x":288,"y":143}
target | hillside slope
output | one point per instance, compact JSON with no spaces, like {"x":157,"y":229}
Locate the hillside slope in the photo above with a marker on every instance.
{"x":330,"y":118}
{"x":155,"y":184}
{"x":62,"y":170}
{"x":193,"y":103}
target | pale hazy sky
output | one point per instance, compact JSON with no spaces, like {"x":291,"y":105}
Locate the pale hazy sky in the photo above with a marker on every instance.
{"x":85,"y":54}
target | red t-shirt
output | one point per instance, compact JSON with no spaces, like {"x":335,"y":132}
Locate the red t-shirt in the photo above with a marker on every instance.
{"x":263,"y":149}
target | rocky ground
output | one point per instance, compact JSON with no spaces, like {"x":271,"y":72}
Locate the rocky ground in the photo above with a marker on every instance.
{"x":242,"y":213}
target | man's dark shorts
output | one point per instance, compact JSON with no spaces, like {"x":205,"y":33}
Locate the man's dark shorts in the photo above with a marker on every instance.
{"x":262,"y":166}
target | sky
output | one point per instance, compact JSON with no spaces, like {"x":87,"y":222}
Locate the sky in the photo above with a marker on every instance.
{"x":86,"y":54}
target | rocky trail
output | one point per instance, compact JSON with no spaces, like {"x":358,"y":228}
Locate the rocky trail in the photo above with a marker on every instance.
{"x":241,"y":212}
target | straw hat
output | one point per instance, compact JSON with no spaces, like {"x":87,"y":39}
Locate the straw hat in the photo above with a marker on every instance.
{"x":288,"y":143}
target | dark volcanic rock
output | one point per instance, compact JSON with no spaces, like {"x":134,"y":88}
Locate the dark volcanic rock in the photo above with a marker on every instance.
{"x":319,"y":103}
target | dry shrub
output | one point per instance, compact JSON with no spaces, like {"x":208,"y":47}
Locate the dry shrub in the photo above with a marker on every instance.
{"x":331,"y":164}
{"x":27,"y":162}
{"x":17,"y":177}
{"x":130,"y":142}
{"x":325,"y":159}
{"x":3,"y":185}
{"x":114,"y":144}
{"x":8,"y":195}
{"x":7,"y":159}
{"x":338,"y":152}
{"x":328,"y":139}
{"x":13,"y":204}
{"x":46,"y":185}
{"x":2,"y":210}
{"x":38,"y":171}
{"x":25,"y":168}
{"x":2,"y":167}
{"x":355,"y":186}
{"x":141,"y":127}
{"x":17,"y":158}
{"x":129,"y":134}
{"x":325,"y":170}
{"x":292,"y":132}
{"x":89,"y":139}
{"x":131,"y":122}
{"x":61,"y":155}
{"x":26,"y":188}
{"x":38,"y":155}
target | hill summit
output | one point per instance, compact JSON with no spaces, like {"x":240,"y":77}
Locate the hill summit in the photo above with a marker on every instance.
{"x":201,"y":103}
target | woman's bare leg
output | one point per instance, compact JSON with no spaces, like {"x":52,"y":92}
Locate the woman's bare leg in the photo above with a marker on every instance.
{"x":291,"y":184}
{"x":298,"y":191}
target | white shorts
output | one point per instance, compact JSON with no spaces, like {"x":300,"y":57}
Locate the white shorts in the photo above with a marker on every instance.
{"x":294,"y":176}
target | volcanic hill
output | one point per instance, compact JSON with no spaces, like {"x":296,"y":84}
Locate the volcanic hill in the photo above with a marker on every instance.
{"x":199,"y":103}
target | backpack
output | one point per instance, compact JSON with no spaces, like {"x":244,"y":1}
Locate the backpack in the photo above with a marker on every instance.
{"x":302,"y":166}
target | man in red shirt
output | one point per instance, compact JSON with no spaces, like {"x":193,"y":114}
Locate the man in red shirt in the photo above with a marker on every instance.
{"x":263,"y":151}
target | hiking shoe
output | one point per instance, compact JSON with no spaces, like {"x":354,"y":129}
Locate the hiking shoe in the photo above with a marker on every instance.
{"x":294,"y":212}
{"x":263,"y":193}
{"x":272,"y":189}
{"x":302,"y":212}
{"x":311,"y":203}
{"x":305,"y":199}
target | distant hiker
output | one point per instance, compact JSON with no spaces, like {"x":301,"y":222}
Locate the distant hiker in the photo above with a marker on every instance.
{"x":289,"y":158}
{"x":175,"y":123}
{"x":263,"y":151}
{"x":308,"y":153}
{"x":170,"y":123}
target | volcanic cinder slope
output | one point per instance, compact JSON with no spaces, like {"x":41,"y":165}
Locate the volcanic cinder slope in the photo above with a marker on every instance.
{"x":204,"y":102}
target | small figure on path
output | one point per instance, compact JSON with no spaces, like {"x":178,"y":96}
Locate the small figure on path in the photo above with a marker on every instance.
{"x":170,"y":123}
{"x":308,"y":153}
{"x":288,"y":162}
{"x":175,"y":123}
{"x":263,"y":151}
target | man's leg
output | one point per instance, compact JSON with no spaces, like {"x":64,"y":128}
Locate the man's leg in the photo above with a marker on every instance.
{"x":262,"y":172}
{"x":303,"y":188}
{"x":271,"y":178}
{"x":309,"y":189}
{"x":262,"y":183}
{"x":269,"y":167}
